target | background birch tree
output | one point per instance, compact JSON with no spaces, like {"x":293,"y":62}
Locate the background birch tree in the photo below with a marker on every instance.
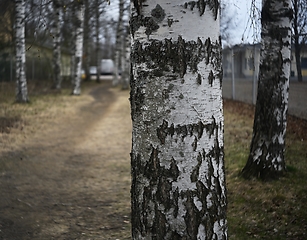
{"x":119,"y":44}
{"x":125,"y":60}
{"x":87,"y":38}
{"x":21,"y":81}
{"x":79,"y":4}
{"x":99,"y":10}
{"x":266,"y":158}
{"x":57,"y":79}
{"x":178,"y":180}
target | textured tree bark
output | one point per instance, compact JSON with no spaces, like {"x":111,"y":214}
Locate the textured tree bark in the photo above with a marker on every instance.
{"x":57,"y":78}
{"x":79,"y":47}
{"x":21,"y":81}
{"x":178,"y":181}
{"x":266,"y":159}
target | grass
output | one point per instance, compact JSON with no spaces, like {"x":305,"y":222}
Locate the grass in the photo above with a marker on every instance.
{"x":256,"y":210}
{"x":264,"y":210}
{"x":17,"y":121}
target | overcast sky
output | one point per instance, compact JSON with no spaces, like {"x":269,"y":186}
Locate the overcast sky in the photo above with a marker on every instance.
{"x":243,"y":25}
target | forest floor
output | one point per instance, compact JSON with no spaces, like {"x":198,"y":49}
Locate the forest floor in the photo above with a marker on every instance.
{"x":65,"y":169}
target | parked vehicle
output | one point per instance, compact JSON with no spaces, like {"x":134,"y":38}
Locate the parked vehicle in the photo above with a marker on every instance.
{"x":107,"y":67}
{"x":93,"y":70}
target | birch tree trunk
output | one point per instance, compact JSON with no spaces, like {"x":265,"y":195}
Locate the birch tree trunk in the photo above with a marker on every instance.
{"x":266,"y":158}
{"x":178,"y":180}
{"x":79,"y":47}
{"x":98,"y":60}
{"x":57,"y":78}
{"x":87,"y":40}
{"x":125,"y":60}
{"x":118,"y":44}
{"x":21,"y":81}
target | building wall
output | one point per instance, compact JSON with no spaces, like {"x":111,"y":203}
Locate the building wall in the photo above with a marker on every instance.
{"x":244,"y":66}
{"x":303,"y":64}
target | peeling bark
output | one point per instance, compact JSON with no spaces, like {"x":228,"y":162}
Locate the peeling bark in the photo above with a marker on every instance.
{"x":177,"y":159}
{"x":266,"y":160}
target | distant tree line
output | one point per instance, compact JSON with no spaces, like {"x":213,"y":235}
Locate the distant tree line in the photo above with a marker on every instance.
{"x":59,"y":26}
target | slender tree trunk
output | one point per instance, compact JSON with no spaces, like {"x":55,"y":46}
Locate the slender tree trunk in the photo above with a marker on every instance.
{"x":297,"y":46}
{"x":79,"y":47}
{"x":98,"y":60}
{"x":125,"y":60}
{"x":118,"y":44}
{"x":57,"y":78}
{"x":73,"y":45}
{"x":86,"y":42}
{"x":266,"y":160}
{"x":21,"y":81}
{"x":297,"y":50}
{"x":178,"y":180}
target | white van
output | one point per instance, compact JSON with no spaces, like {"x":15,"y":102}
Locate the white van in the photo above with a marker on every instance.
{"x":107,"y":67}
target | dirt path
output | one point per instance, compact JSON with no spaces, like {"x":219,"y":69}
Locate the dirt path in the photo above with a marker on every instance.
{"x":72,"y":179}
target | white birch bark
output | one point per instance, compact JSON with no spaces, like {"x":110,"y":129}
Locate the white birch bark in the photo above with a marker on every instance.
{"x":178,"y":180}
{"x":21,"y":82}
{"x":57,"y":78}
{"x":79,"y":47}
{"x":266,"y":159}
{"x":126,"y":43}
{"x":118,"y":44}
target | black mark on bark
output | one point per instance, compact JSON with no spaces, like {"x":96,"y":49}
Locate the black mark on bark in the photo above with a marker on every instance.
{"x":202,"y":4}
{"x":177,"y":56}
{"x":211,"y":78}
{"x":158,"y":13}
{"x":140,"y":21}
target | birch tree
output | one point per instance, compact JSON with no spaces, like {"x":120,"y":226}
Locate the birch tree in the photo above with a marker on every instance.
{"x":266,"y":158}
{"x":79,"y":47}
{"x":97,"y":20}
{"x":118,"y":44}
{"x":125,"y":60}
{"x":178,"y":180}
{"x":21,"y":81}
{"x":86,"y":39}
{"x":57,"y":79}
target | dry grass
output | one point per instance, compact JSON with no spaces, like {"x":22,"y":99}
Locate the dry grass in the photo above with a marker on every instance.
{"x":18,"y":121}
{"x":258,"y":210}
